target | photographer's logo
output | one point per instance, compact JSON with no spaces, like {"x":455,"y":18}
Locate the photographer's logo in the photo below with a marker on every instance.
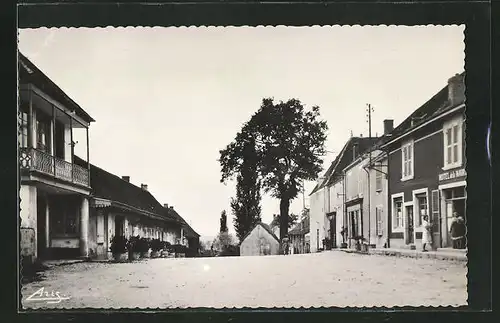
{"x":42,"y":296}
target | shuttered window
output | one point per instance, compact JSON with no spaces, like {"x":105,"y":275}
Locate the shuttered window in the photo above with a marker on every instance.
{"x":379,"y":221}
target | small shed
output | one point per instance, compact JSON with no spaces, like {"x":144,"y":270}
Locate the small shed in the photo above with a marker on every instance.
{"x":260,"y":241}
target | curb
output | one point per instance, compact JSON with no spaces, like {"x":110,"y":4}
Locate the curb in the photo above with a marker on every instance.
{"x":417,"y":255}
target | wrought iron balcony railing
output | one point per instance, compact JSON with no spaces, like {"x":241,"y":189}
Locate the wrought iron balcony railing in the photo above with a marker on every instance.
{"x":32,"y":159}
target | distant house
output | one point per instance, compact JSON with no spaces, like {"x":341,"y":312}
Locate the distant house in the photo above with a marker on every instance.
{"x":188,"y":237}
{"x":120,"y":208}
{"x":298,"y":235}
{"x":260,"y":241}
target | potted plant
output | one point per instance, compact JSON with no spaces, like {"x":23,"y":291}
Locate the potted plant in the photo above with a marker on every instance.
{"x":327,"y":244}
{"x":165,"y":249}
{"x":144,"y":247}
{"x":134,"y":251}
{"x":360,"y":243}
{"x":119,"y":248}
{"x":156,"y":247}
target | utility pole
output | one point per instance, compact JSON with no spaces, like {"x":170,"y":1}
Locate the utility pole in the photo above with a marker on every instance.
{"x":369,"y":111}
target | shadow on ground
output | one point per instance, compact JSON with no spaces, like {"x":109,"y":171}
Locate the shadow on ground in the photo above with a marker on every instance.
{"x":32,"y":272}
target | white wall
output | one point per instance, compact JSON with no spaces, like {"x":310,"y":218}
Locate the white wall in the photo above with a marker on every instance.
{"x":378,"y":199}
{"x":317,"y":219}
{"x":259,"y":242}
{"x":336,"y":192}
{"x":28,"y":211}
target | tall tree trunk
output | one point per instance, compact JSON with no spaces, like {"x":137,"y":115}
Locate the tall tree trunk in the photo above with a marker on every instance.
{"x":284,"y":208}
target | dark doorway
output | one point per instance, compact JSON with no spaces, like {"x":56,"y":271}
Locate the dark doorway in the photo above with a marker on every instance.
{"x":59,"y":140}
{"x":333,"y":230}
{"x":41,"y":238}
{"x":119,"y":226}
{"x":409,"y":223}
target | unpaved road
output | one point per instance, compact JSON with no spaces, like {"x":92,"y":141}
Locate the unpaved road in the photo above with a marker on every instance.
{"x":312,"y":280}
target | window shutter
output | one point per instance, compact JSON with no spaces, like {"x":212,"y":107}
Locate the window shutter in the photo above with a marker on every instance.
{"x":379,"y":222}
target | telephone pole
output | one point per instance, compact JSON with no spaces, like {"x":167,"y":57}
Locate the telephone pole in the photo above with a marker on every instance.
{"x":369,"y":111}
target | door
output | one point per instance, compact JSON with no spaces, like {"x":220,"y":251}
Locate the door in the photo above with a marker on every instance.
{"x":333,"y":230}
{"x":59,"y":146}
{"x":409,"y":224}
{"x":436,"y":220}
{"x":118,"y":226}
{"x":449,"y":217}
{"x":41,"y":214}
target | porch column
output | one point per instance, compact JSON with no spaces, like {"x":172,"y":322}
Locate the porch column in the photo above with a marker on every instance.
{"x":47,"y":222}
{"x":84,"y":227}
{"x":31,"y":124}
{"x":88,"y":149}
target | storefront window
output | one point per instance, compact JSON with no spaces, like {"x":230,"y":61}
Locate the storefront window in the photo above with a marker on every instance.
{"x":64,"y":217}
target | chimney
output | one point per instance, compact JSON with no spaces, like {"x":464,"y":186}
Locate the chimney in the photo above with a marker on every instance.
{"x":171,"y":207}
{"x":144,"y":187}
{"x":456,"y":90}
{"x":126,"y":178}
{"x":388,"y":126}
{"x":165,"y":205}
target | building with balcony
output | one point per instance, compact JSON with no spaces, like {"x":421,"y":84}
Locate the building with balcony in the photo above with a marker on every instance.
{"x":54,"y":191}
{"x":426,"y":160}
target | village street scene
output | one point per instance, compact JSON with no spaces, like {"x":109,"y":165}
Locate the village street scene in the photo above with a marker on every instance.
{"x":215,"y":167}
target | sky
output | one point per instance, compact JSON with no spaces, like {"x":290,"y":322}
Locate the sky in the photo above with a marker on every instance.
{"x":167,"y":100}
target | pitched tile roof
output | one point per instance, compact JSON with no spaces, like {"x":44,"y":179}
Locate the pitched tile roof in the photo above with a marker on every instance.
{"x":108,"y":186}
{"x":171,"y":212}
{"x":435,"y":106}
{"x":266,"y":227}
{"x":344,"y":159}
{"x":301,"y":228}
{"x":29,"y":73}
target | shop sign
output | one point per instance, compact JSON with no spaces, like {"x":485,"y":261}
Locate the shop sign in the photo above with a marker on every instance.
{"x":101,"y":203}
{"x":452,"y":174}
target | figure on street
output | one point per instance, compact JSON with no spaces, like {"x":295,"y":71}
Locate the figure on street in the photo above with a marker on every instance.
{"x":458,"y":231}
{"x":426,"y":232}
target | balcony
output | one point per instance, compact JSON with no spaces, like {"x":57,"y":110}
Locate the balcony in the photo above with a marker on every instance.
{"x":32,"y":159}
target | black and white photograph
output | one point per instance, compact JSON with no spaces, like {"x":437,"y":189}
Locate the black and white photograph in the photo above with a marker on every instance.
{"x":242,"y":167}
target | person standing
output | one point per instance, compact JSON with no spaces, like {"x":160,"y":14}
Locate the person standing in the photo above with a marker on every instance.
{"x":426,"y":233}
{"x":458,"y":231}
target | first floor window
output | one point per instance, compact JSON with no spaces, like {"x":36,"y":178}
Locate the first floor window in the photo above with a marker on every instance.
{"x":398,"y":213}
{"x":64,"y":218}
{"x":422,"y":208}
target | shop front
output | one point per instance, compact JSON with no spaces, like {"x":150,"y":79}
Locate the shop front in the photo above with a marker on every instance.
{"x":453,"y":192}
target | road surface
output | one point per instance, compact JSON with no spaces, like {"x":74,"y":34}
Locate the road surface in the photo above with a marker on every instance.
{"x":311,"y":280}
